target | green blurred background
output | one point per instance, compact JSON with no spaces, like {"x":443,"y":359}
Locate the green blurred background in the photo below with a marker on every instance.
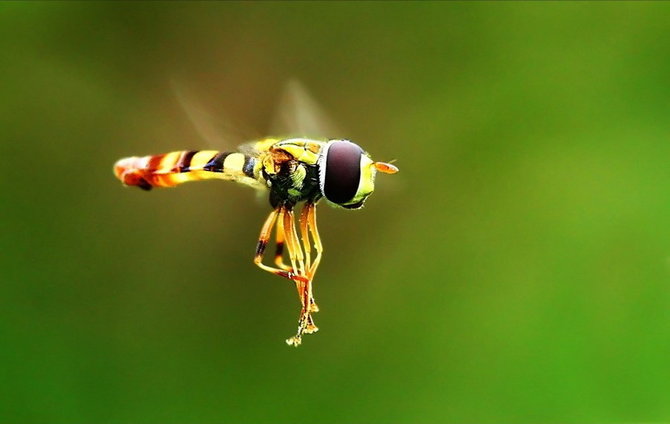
{"x":517,"y":269}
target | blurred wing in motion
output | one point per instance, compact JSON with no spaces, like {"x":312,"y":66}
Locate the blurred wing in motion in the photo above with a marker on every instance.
{"x":217,"y":131}
{"x":299,"y":115}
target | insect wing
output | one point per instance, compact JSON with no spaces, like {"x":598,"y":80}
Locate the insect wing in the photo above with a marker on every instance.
{"x":299,"y":115}
{"x":214,"y":129}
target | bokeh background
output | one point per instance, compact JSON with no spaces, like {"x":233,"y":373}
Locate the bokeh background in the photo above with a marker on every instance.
{"x":517,"y":269}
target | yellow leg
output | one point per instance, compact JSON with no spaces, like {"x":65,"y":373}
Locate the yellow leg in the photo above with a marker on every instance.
{"x":314,"y":231}
{"x":304,"y":235}
{"x":305,"y":321}
{"x":279,"y":251}
{"x":307,"y":227}
{"x":295,"y":250}
{"x":279,"y":259}
{"x":263,"y":239}
{"x":302,"y":267}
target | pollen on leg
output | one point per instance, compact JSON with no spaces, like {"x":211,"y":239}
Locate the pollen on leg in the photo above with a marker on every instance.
{"x":294,"y":341}
{"x":310,"y":329}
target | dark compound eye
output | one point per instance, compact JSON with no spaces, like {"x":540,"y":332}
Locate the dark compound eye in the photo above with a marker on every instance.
{"x":343,"y":171}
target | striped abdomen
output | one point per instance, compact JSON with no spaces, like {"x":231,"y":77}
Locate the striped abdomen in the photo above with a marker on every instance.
{"x":170,"y":169}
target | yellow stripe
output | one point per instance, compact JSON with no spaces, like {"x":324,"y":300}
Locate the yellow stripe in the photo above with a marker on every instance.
{"x":168,"y":161}
{"x":234,"y":163}
{"x":201,"y":158}
{"x":201,"y":175}
{"x":180,"y":178}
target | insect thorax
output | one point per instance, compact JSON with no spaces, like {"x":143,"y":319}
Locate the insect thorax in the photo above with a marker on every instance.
{"x":291,"y":181}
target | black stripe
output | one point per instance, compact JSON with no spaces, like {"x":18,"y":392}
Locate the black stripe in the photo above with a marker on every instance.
{"x":280,"y":249}
{"x":216,"y":164}
{"x":144,"y":184}
{"x":249,"y":164}
{"x":260,"y":247}
{"x":185,"y":161}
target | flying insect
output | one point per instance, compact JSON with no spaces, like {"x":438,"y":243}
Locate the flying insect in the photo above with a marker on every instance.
{"x":293,"y":171}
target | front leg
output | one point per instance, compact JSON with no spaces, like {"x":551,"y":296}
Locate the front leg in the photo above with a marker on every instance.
{"x":263,"y":239}
{"x":307,"y":229}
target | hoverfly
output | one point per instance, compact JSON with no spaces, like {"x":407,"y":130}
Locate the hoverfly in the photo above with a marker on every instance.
{"x":292,"y":171}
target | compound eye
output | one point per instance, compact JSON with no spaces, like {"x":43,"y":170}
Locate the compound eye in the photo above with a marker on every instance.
{"x":343,"y":171}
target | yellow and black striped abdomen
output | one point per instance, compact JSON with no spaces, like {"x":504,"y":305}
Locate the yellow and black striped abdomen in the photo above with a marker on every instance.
{"x":170,"y":169}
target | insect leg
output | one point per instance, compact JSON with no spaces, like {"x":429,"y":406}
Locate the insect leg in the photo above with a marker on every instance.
{"x":295,"y":250}
{"x":263,"y":239}
{"x":305,"y":322}
{"x":314,"y":231}
{"x":279,"y":252}
{"x":304,"y":235}
{"x":305,"y":228}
